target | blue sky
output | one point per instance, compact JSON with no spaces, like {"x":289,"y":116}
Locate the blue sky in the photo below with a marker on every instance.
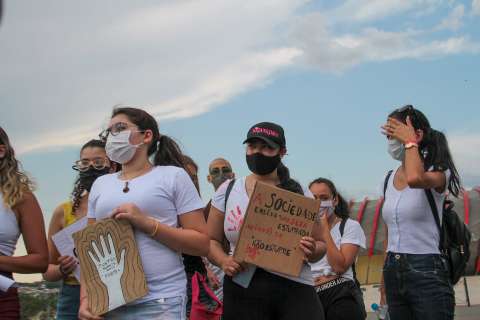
{"x":328,"y":72}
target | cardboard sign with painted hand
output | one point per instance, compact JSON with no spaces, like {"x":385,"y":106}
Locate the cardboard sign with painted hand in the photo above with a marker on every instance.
{"x":110,"y":265}
{"x":275,"y":222}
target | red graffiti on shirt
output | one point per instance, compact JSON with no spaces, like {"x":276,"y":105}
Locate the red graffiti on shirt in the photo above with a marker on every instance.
{"x":236,"y":219}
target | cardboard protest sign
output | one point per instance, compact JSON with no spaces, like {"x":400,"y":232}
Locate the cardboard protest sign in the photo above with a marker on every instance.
{"x":110,"y":265}
{"x":273,"y":226}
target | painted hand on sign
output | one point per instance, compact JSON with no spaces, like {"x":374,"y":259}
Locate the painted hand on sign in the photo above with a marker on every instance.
{"x":110,"y":270}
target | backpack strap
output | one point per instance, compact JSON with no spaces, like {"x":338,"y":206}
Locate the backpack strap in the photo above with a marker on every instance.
{"x":342,"y":229}
{"x":433,"y":207}
{"x":228,"y":191}
{"x":385,"y":184}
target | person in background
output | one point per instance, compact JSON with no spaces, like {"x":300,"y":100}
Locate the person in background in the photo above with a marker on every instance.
{"x":219,"y":171}
{"x":20,"y":214}
{"x":416,"y":274}
{"x":92,"y":164}
{"x":334,"y":278}
{"x":194,"y":263}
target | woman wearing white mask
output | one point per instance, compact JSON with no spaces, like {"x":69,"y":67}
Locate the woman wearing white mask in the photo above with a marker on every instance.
{"x":416,"y":275}
{"x":334,"y":275}
{"x":163,"y":206}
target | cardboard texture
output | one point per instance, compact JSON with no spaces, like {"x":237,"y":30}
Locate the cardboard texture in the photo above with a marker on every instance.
{"x":110,"y":264}
{"x":273,"y":226}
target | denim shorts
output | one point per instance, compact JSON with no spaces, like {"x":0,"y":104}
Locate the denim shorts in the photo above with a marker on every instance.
{"x":417,"y":286}
{"x":159,"y":309}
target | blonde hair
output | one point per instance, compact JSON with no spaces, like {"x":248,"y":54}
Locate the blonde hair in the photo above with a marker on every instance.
{"x":14,"y":182}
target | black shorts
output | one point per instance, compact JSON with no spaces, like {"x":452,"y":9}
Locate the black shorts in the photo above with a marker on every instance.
{"x":270,"y":297}
{"x":341,"y":301}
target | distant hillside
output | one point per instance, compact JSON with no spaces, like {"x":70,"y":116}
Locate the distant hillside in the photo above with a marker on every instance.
{"x":38,"y":300}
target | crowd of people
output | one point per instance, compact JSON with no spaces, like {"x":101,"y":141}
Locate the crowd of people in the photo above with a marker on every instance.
{"x":135,"y":173}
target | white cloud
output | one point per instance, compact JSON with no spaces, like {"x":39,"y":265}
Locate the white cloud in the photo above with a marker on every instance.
{"x":179,"y":59}
{"x":371,"y":10}
{"x":465,"y":148}
{"x":476,"y":7}
{"x":63,"y":70}
{"x":454,"y":20}
{"x":336,"y":53}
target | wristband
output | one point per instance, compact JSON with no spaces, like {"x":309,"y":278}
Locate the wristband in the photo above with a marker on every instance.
{"x":410,"y":145}
{"x":156,"y":228}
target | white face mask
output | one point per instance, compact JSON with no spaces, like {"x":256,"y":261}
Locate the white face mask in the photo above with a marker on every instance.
{"x":327,"y":207}
{"x":119,"y":148}
{"x":396,"y":149}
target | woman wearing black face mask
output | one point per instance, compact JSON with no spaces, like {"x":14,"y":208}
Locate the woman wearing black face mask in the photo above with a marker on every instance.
{"x":92,"y":164}
{"x":270,"y":295}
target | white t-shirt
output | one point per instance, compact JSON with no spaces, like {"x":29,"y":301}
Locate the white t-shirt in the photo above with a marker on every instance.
{"x":236,"y":208}
{"x":409,"y":219}
{"x":352,"y":234}
{"x":163,"y":193}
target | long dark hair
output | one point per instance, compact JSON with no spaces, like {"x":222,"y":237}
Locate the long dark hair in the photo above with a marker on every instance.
{"x":165,"y":150}
{"x":342,"y":209}
{"x":78,"y":188}
{"x":433,"y":148}
{"x":189,"y":161}
{"x":286,"y":182}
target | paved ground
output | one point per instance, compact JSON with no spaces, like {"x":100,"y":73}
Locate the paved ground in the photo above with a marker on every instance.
{"x":461,"y":313}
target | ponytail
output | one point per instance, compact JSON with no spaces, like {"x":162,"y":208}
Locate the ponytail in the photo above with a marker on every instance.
{"x":342,"y":209}
{"x":77,"y":193}
{"x":286,"y":182}
{"x":436,"y":153}
{"x":167,"y":153}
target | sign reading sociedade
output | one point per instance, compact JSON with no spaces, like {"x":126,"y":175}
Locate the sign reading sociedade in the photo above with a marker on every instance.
{"x":274,"y":223}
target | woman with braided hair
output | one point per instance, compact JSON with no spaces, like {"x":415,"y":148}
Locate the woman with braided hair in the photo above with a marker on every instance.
{"x":92,"y":164}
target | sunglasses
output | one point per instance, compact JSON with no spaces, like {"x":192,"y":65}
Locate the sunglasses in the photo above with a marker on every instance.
{"x":217,"y":171}
{"x":84,"y":164}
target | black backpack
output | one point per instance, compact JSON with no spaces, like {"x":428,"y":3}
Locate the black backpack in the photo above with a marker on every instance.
{"x":454,"y":238}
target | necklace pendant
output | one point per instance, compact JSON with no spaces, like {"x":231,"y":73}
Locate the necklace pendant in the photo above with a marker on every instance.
{"x":126,"y":188}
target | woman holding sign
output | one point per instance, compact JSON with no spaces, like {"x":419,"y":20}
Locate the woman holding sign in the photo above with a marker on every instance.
{"x":20,"y":214}
{"x":269,"y":295}
{"x":160,"y":201}
{"x":92,"y":164}
{"x":334,"y":274}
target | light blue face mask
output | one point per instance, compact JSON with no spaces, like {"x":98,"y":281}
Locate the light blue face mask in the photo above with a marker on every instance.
{"x":396,"y":149}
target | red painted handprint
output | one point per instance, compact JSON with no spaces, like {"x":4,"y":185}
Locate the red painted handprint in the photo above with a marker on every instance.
{"x":236,"y":219}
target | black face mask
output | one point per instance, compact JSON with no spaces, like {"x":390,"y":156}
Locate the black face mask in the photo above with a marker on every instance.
{"x":261,"y":164}
{"x":88,"y":177}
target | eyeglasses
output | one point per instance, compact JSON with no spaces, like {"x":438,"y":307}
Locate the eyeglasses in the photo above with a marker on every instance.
{"x":115,"y":130}
{"x":82,"y":165}
{"x":217,"y":171}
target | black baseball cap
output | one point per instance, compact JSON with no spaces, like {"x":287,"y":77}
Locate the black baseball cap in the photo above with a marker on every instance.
{"x":269,"y":132}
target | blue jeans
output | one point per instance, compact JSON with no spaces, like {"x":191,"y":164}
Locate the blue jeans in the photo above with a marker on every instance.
{"x":417,"y":287}
{"x":68,"y":302}
{"x":160,"y":309}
